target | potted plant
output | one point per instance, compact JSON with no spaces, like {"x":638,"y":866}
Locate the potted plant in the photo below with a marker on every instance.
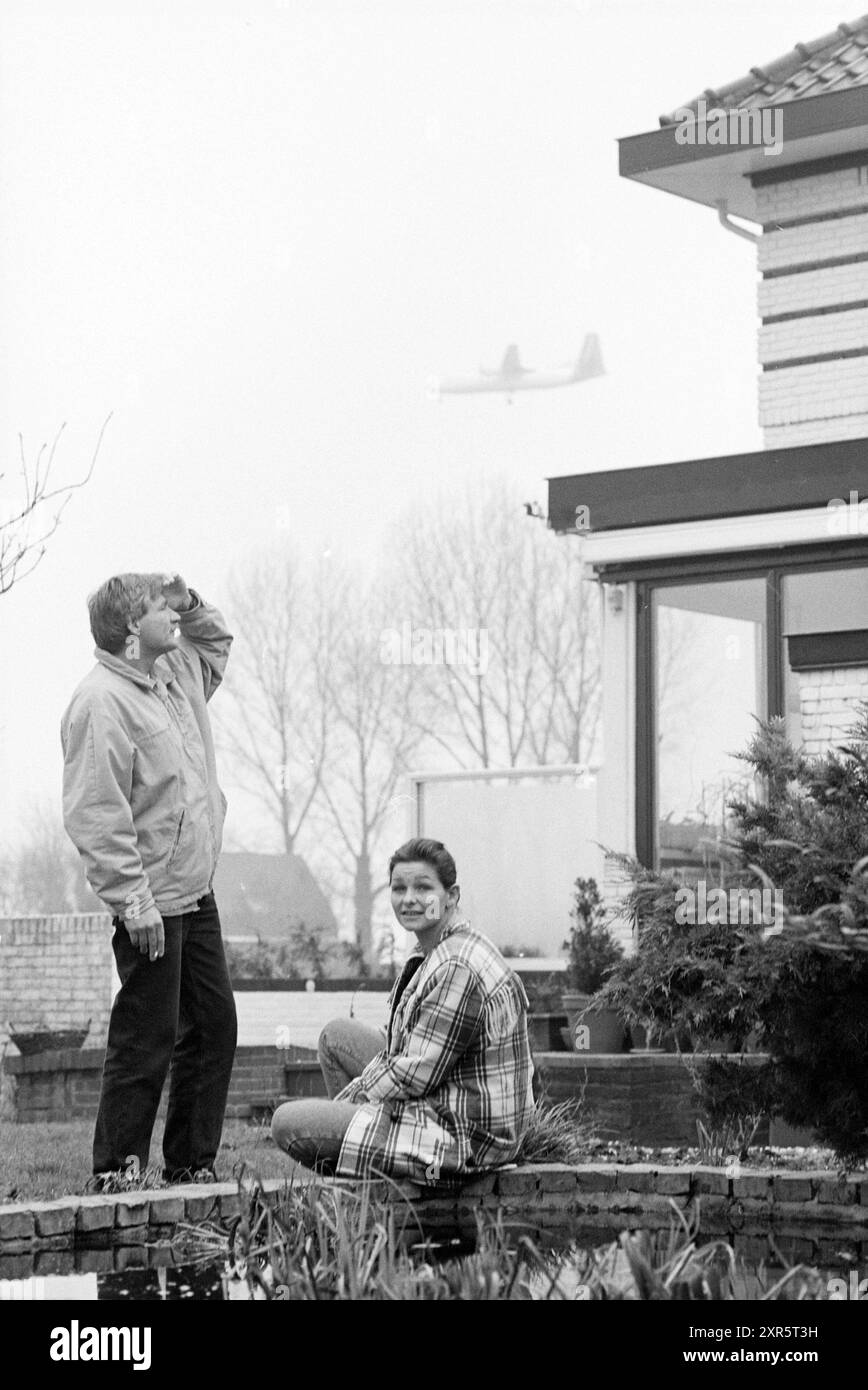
{"x":592,"y":953}
{"x":42,"y":1038}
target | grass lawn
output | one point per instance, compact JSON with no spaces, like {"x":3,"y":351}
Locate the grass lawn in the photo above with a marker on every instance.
{"x":42,"y":1161}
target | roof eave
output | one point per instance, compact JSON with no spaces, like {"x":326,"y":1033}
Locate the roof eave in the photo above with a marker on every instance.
{"x":815,"y":128}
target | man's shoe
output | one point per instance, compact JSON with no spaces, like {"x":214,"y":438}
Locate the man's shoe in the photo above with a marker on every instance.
{"x":184,"y":1175}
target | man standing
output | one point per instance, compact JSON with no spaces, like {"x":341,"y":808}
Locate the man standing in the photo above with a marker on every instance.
{"x":142,"y":804}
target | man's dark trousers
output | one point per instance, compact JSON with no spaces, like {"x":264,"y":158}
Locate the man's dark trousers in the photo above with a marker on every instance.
{"x":179,"y":1011}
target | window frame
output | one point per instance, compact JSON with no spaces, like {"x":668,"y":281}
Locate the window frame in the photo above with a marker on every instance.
{"x":650,"y":575}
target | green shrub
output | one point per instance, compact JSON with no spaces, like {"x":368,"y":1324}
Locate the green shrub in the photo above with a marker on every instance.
{"x":689,"y":981}
{"x":802,"y":991}
{"x":591,"y":950}
{"x":304,"y":955}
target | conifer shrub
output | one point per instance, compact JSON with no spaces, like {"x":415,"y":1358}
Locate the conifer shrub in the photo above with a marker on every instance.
{"x":801,"y":988}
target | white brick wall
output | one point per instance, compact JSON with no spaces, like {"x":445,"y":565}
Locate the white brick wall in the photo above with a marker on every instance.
{"x":842,"y":188}
{"x":821,"y":401}
{"x":813,"y":289}
{"x":57,"y":971}
{"x":828,"y":700}
{"x":814,"y":391}
{"x":817,"y":431}
{"x":816,"y":241}
{"x":778,"y":342}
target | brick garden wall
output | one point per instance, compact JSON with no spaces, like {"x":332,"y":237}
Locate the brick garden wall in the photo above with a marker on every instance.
{"x":56,"y":972}
{"x":65,"y":1085}
{"x":643,"y":1098}
{"x":819,"y":1217}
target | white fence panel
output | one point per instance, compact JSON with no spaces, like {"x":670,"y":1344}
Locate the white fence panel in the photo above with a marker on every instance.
{"x":520,"y":839}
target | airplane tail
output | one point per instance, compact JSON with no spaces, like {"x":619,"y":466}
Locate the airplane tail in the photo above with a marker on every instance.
{"x":590,"y":360}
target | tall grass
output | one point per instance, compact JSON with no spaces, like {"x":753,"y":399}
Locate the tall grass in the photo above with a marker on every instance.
{"x":324,"y":1243}
{"x":557,"y":1134}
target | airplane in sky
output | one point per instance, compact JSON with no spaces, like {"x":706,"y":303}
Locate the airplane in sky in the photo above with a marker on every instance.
{"x":511,"y":376}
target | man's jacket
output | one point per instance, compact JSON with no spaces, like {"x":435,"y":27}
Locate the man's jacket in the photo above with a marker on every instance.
{"x":141,"y":800}
{"x":451,"y":1093}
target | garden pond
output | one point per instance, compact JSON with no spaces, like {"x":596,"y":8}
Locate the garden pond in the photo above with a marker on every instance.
{"x":175,"y":1273}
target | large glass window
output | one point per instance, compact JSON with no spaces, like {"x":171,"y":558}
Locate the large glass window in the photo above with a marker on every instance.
{"x":710,"y":683}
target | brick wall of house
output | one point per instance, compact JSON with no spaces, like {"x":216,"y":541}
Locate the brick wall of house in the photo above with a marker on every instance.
{"x":813,"y":303}
{"x":828,"y":699}
{"x":56,"y":972}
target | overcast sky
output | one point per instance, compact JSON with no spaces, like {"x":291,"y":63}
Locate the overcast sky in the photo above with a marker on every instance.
{"x":254,"y":232}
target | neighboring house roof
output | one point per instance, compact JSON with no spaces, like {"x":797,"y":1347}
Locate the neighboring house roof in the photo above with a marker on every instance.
{"x":834,"y":63}
{"x":267,"y":894}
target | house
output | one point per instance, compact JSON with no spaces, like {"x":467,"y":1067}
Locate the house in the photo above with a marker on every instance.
{"x":737,"y":587}
{"x":265,"y":895}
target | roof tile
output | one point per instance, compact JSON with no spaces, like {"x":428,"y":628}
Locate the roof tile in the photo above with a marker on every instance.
{"x":834,"y":63}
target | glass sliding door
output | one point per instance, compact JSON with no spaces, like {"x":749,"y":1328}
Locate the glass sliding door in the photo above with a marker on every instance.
{"x":709,"y":686}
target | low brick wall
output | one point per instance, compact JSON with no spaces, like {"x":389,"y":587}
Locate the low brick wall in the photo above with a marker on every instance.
{"x":65,"y":1085}
{"x":819,"y":1214}
{"x":644,"y":1098}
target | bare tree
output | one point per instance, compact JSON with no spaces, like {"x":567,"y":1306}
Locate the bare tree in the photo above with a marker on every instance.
{"x":273,"y":719}
{"x":316,"y":727}
{"x":521,"y":684}
{"x":376,"y":732}
{"x":27,"y":518}
{"x":44,"y":873}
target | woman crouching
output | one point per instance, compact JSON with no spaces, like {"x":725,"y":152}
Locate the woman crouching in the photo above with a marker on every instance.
{"x":446,"y":1088}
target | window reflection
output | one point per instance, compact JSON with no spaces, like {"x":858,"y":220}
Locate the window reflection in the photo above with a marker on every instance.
{"x":710,"y":684}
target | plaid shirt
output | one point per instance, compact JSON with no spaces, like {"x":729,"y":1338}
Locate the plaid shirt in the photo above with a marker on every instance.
{"x":451,"y":1093}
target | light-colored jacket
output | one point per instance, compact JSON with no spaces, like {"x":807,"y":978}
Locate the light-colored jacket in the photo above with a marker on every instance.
{"x":141,"y":800}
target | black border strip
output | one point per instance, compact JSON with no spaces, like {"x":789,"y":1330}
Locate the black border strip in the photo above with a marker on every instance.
{"x":733,"y":485}
{"x":732,"y":563}
{"x":809,"y":361}
{"x":816,"y":651}
{"x":787,"y":224}
{"x":850,"y":159}
{"x":792,"y":314}
{"x":831,"y":263}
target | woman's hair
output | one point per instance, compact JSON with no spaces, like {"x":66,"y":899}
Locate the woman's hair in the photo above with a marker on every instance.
{"x":432,"y":852}
{"x":121,"y":597}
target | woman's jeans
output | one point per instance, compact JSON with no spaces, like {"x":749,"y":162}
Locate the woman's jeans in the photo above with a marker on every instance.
{"x":176,"y":1011}
{"x":312,"y":1131}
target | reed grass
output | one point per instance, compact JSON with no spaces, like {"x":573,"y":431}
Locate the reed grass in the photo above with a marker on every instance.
{"x":316,"y":1242}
